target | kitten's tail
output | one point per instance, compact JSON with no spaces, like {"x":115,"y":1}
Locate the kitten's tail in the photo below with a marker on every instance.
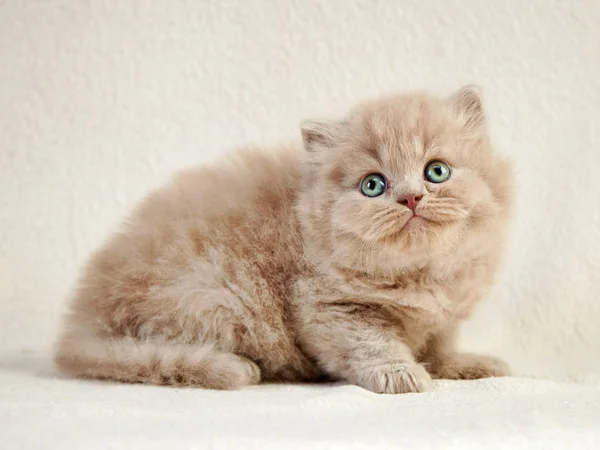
{"x":132,"y":361}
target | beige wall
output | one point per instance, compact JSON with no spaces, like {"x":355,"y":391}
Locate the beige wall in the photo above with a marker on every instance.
{"x":101,"y":100}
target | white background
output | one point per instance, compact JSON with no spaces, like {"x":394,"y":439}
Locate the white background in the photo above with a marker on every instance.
{"x":101,"y":100}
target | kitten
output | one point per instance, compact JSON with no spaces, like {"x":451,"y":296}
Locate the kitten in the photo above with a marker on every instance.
{"x":355,"y":260}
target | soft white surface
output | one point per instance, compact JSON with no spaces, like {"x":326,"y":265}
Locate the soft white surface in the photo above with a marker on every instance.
{"x":101,"y":100}
{"x":38,"y":411}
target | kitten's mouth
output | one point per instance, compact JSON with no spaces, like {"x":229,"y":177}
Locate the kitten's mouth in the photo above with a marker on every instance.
{"x":415,"y":219}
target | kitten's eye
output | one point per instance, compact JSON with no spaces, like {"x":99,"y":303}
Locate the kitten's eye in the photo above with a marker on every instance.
{"x":373,"y":185}
{"x":437,"y":172}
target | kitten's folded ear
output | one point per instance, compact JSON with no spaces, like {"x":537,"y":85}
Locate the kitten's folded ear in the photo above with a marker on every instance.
{"x":468,"y":105}
{"x":318,"y":134}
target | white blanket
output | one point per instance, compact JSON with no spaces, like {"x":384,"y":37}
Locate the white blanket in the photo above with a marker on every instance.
{"x":38,"y":409}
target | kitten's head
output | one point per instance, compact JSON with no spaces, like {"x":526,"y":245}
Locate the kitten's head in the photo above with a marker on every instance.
{"x":402,"y":181}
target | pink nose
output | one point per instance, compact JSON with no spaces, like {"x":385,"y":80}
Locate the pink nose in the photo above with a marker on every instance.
{"x":410,"y":200}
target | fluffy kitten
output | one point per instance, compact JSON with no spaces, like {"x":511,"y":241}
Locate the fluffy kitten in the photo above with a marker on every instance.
{"x":355,"y":260}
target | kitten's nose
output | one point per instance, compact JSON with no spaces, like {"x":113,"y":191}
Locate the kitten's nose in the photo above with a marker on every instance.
{"x":410,"y":200}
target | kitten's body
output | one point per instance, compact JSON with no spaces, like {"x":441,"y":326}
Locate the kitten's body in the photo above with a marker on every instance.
{"x":274,"y":267}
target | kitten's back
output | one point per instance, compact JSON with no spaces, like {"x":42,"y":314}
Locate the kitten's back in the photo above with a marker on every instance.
{"x":205,"y":261}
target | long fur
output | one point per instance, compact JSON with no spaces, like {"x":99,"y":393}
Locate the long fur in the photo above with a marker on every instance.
{"x":273,"y":266}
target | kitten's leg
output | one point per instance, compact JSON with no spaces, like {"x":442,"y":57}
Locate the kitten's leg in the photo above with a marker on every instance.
{"x":359,"y":351}
{"x":443,"y":361}
{"x":132,"y":361}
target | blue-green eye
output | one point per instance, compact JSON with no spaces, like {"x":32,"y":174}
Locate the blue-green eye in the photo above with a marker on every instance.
{"x":373,"y":185}
{"x":437,"y":172}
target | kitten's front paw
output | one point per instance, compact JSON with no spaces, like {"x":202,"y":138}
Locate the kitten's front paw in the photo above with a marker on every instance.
{"x":468,"y":366}
{"x":394,"y":378}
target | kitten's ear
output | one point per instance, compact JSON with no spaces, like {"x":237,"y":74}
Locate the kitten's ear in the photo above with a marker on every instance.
{"x":468,"y":105}
{"x":319,"y":133}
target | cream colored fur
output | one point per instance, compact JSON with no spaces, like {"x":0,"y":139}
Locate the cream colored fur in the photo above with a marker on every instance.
{"x":274,"y":266}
